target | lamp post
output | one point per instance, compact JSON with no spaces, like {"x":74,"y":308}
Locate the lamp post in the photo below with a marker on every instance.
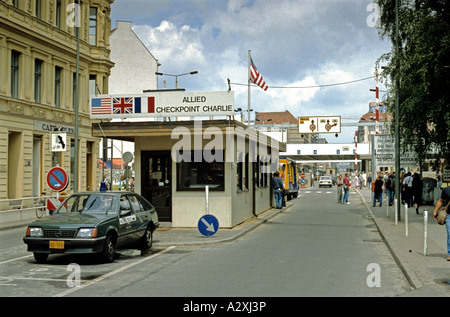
{"x":176,"y":76}
{"x":77,"y":107}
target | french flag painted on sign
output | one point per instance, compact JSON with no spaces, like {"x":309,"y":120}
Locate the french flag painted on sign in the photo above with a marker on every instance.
{"x":144,"y":105}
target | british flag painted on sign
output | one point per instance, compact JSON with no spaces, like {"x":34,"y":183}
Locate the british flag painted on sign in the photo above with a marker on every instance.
{"x":123,"y":105}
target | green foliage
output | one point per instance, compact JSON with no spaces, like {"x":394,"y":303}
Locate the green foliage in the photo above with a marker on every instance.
{"x":422,"y":68}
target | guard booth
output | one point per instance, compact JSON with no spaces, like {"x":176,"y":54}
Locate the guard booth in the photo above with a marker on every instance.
{"x":176,"y":160}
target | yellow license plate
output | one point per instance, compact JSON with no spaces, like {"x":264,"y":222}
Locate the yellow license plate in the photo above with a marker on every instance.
{"x":56,"y":244}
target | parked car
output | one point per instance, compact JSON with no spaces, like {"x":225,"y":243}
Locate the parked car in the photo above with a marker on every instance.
{"x":325,"y":181}
{"x":94,"y":222}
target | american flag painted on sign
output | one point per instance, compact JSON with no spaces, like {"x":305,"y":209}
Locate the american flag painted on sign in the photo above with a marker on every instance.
{"x":255,"y":76}
{"x":101,"y":106}
{"x":123,"y":105}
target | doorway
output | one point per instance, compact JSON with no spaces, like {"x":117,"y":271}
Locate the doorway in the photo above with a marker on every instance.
{"x":156,"y":177}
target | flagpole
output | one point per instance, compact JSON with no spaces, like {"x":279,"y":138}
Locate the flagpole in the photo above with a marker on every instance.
{"x":248,"y":98}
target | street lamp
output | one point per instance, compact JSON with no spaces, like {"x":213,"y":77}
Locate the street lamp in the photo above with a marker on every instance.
{"x":176,"y":76}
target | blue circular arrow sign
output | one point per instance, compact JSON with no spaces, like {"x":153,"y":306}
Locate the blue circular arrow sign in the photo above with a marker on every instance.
{"x":208,"y":225}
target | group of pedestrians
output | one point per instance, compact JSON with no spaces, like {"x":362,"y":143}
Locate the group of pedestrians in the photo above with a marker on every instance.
{"x":343,"y":189}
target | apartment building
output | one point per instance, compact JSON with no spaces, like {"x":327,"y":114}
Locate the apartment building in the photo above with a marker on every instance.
{"x":38,"y":50}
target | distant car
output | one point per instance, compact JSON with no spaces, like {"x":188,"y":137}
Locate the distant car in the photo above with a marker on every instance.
{"x":94,"y":222}
{"x":325,"y":181}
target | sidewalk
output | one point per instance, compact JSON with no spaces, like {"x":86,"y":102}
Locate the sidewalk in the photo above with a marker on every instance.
{"x":428,"y":275}
{"x":427,"y":271}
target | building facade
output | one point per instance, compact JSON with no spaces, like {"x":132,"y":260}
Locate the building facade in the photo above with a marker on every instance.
{"x":38,"y":49}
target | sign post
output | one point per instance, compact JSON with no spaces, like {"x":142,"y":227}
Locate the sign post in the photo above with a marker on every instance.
{"x":208,"y":225}
{"x":57,"y":180}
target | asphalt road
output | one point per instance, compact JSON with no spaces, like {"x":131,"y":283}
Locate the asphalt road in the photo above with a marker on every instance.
{"x":316,"y":248}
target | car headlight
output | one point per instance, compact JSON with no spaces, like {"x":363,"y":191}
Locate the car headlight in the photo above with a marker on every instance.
{"x":87,"y":233}
{"x":34,"y":232}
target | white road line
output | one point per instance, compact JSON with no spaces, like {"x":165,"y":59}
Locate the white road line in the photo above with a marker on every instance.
{"x":120,"y":269}
{"x":15,"y":259}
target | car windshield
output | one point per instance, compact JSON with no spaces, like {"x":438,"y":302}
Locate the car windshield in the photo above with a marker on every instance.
{"x":89,"y":203}
{"x":325,"y":178}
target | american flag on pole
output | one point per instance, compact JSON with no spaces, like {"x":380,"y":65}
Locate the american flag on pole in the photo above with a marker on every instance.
{"x":255,"y":76}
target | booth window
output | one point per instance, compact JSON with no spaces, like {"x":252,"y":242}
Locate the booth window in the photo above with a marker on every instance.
{"x":193,"y":175}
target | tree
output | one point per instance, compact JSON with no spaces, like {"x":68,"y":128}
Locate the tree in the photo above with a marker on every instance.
{"x":422,"y":68}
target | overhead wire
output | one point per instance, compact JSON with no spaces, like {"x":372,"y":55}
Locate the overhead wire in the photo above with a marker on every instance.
{"x":316,"y":86}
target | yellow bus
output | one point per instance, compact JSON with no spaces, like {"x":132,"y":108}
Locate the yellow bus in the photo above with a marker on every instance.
{"x":289,"y":174}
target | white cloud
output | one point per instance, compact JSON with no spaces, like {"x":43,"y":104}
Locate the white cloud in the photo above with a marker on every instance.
{"x":294,"y":43}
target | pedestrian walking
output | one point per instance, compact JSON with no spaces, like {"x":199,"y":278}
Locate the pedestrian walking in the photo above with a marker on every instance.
{"x":347,"y":186}
{"x":278,"y":186}
{"x":407,"y":187}
{"x":378,"y":191}
{"x":356,"y":181}
{"x":439,"y":179}
{"x":444,"y":200}
{"x":340,"y":186}
{"x":417,"y":187}
{"x":390,"y":189}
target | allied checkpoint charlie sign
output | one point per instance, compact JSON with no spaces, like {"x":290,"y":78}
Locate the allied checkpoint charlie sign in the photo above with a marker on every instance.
{"x":163,"y":104}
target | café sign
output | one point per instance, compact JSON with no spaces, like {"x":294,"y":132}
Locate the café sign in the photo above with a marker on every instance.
{"x":162,"y":104}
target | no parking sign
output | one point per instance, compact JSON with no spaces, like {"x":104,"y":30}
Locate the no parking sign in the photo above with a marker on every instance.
{"x":57,"y":179}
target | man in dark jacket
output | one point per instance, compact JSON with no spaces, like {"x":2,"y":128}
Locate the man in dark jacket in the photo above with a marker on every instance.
{"x":278,"y":186}
{"x":378,"y":191}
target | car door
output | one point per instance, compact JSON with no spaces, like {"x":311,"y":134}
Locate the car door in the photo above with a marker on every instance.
{"x":127,"y":221}
{"x":141,"y":216}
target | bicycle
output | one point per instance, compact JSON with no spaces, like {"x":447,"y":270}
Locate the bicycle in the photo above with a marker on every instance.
{"x":41,"y":205}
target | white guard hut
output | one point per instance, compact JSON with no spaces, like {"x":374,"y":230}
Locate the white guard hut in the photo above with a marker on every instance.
{"x":176,"y":160}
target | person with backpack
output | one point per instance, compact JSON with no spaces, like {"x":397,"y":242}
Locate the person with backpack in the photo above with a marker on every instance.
{"x":390,"y":188}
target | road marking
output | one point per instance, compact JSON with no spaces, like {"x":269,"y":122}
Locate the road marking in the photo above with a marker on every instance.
{"x":100,"y":278}
{"x":15,"y":259}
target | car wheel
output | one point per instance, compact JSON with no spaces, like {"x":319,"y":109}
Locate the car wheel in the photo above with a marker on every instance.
{"x":109,"y":249}
{"x":147,"y":239}
{"x":40,"y":257}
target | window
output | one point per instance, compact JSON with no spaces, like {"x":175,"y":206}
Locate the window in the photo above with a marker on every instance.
{"x":58,"y":87}
{"x":37,"y":80}
{"x":38,"y":5}
{"x":93,"y":26}
{"x":15,"y":3}
{"x":15,"y":74}
{"x":239,"y":172}
{"x":196,"y":175}
{"x":135,"y":204}
{"x":58,"y":13}
{"x":92,"y":84}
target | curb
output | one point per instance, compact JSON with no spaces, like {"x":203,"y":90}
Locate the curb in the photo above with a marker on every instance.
{"x":273,"y":212}
{"x":411,"y":277}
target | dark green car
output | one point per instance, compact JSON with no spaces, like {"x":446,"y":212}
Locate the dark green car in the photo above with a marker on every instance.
{"x":94,"y":222}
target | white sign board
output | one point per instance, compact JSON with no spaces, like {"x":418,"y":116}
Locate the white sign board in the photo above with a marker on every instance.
{"x":59,"y":143}
{"x":384,"y":152}
{"x":162,"y":104}
{"x":446,"y":174}
{"x":318,"y":124}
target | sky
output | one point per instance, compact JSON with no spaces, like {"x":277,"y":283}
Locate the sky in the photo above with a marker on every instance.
{"x":293,"y":43}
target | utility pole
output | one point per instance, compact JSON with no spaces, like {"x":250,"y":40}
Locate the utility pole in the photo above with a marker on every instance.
{"x":397,"y":113}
